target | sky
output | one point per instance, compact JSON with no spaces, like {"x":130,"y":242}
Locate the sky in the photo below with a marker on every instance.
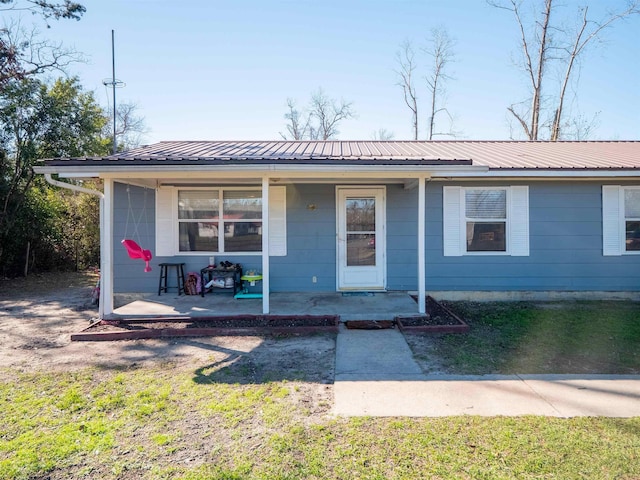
{"x":223,"y":70}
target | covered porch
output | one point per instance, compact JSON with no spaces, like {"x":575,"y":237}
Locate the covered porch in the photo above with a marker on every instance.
{"x":332,"y":220}
{"x":346,"y":305}
{"x":350,"y":303}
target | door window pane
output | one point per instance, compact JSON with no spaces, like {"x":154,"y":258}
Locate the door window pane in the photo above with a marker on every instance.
{"x":361,"y":214}
{"x":361,"y":250}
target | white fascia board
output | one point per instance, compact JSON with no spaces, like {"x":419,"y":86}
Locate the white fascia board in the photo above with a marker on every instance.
{"x":66,"y":172}
{"x":542,"y":173}
{"x":252,"y":170}
{"x":329,"y":171}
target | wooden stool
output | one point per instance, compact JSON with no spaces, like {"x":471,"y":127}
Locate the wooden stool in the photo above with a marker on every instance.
{"x":164,"y":267}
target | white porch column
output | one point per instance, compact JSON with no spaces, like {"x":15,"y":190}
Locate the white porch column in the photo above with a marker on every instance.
{"x":106,"y":250}
{"x":265,"y":245}
{"x":421,"y":247}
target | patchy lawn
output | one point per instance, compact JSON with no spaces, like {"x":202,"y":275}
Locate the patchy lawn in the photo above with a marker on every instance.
{"x":168,"y":422}
{"x":522,"y":337}
{"x":259,"y":408}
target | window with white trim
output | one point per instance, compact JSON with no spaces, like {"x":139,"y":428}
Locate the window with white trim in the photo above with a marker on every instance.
{"x":219,"y":220}
{"x":486,"y":220}
{"x":632,"y":219}
{"x":204,"y":214}
{"x":620,"y":220}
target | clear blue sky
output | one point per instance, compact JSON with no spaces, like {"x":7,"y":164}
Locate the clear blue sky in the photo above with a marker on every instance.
{"x":222,"y":70}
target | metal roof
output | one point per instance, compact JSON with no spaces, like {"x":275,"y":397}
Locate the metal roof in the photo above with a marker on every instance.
{"x":491,"y":154}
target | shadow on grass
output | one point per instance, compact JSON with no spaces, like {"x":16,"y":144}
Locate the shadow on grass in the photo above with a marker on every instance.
{"x":308,"y":359}
{"x":626,"y":426}
{"x":553,"y":337}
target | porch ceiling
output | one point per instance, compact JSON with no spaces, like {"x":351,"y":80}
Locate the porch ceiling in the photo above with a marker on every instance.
{"x":410,"y":182}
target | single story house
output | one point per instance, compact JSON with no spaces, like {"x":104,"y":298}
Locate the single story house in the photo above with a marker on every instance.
{"x":447,"y":218}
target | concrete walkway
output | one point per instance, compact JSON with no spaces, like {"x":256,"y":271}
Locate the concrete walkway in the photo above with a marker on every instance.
{"x":376,"y":375}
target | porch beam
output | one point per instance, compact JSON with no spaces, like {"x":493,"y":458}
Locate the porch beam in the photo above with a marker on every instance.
{"x":265,"y":245}
{"x":170,"y":173}
{"x":106,"y":250}
{"x":410,"y":183}
{"x":421,"y":247}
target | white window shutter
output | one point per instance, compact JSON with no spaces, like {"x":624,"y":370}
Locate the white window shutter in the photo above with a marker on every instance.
{"x":452,"y":221}
{"x":278,"y":221}
{"x":165,"y":223}
{"x":611,"y":209}
{"x":519,"y":221}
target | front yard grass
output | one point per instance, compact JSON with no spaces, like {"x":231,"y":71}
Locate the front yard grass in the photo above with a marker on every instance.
{"x":158,"y":422}
{"x":579,"y":337}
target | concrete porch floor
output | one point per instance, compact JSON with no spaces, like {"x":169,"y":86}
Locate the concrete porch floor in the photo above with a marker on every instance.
{"x":373,"y":306}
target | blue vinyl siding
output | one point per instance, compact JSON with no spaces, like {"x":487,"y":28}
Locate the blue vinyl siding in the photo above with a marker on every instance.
{"x":565,"y":244}
{"x":128,"y":274}
{"x":311,"y":241}
{"x":402,"y":238}
{"x":565,"y":247}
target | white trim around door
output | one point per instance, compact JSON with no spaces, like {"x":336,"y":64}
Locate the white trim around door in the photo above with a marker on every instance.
{"x":361,"y":238}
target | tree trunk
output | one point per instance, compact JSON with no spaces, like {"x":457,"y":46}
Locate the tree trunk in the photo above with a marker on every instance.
{"x":537,"y":83}
{"x":26,"y":262}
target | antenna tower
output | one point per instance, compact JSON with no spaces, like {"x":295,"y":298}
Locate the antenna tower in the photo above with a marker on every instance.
{"x":114,"y":84}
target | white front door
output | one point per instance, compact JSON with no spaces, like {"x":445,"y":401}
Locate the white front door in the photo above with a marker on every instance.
{"x":361,"y":238}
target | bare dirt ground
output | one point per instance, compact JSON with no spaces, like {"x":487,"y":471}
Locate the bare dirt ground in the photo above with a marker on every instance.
{"x":38,"y":315}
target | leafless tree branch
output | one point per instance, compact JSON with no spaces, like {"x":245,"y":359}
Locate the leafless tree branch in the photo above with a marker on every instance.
{"x":405,"y":59}
{"x":441,"y":52}
{"x":579,"y":44}
{"x":382,"y":134}
{"x":328,"y":114}
{"x":319,"y":121}
{"x":130,"y":127}
{"x":298,"y":126}
{"x":556,"y":45}
{"x":24,"y":54}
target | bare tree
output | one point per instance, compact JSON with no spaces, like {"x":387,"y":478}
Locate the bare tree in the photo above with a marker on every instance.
{"x":440,"y":50}
{"x":298,"y":125}
{"x":23,"y":53}
{"x":547,"y":44}
{"x":130,"y":127}
{"x":578,"y":127}
{"x":382,"y":134}
{"x":328,"y":114}
{"x":405,"y":59}
{"x":587,"y":32}
{"x":319,"y":121}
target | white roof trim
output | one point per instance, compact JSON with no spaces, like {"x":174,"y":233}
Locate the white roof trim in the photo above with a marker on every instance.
{"x":331,"y":171}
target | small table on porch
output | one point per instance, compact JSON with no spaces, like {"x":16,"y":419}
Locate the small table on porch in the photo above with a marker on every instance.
{"x":223,"y":279}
